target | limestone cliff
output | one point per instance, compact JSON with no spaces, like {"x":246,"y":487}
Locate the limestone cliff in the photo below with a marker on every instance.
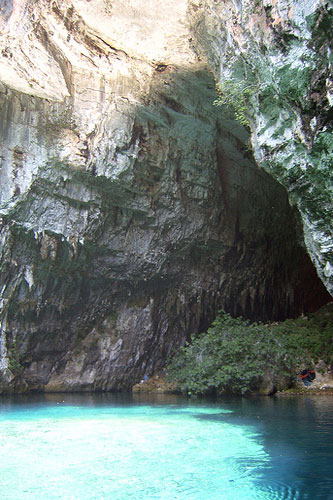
{"x":132,"y":208}
{"x":281,"y":49}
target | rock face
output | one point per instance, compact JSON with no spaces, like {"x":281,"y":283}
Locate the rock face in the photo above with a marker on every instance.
{"x":277,"y":54}
{"x":132,"y":208}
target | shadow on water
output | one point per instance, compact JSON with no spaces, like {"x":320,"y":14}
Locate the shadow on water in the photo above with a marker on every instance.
{"x":296,"y":432}
{"x":293,"y":433}
{"x":87,"y":399}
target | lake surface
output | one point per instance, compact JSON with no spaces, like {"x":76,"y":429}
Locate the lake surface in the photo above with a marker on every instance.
{"x":103,"y":447}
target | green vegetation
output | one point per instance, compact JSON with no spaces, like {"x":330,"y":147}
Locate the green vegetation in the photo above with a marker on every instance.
{"x":234,"y":355}
{"x":293,"y":85}
{"x":312,"y":188}
{"x":14,"y":364}
{"x":236,"y":95}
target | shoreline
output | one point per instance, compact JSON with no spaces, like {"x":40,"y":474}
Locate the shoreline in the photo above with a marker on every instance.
{"x":158,"y":385}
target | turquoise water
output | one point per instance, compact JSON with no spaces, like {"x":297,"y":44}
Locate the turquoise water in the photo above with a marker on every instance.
{"x":86,"y":447}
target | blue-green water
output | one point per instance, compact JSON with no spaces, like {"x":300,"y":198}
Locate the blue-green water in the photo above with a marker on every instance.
{"x":103,"y":447}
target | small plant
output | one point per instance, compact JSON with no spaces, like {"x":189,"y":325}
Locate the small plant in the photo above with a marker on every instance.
{"x":14,"y":364}
{"x":236,"y":96}
{"x":53,"y":124}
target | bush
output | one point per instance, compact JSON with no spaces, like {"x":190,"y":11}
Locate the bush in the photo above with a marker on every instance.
{"x":234,"y":355}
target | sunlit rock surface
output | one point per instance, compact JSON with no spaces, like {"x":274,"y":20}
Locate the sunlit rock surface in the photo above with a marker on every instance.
{"x":132,"y":208}
{"x":282,"y":48}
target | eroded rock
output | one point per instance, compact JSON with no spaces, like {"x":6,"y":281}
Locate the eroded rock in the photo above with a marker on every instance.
{"x":281,"y":50}
{"x":132,"y":208}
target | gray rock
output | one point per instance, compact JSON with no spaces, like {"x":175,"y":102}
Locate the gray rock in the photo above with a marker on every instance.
{"x":132,"y":208}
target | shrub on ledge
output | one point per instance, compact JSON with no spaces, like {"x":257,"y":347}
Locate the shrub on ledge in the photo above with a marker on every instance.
{"x":234,"y":355}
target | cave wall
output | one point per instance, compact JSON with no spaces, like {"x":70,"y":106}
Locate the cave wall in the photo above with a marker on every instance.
{"x":281,"y":50}
{"x":132,"y":209}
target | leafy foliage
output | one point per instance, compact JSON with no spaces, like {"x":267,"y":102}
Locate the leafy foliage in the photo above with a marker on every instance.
{"x":308,"y":338}
{"x":236,"y":95}
{"x":14,"y":365}
{"x":234,"y":355}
